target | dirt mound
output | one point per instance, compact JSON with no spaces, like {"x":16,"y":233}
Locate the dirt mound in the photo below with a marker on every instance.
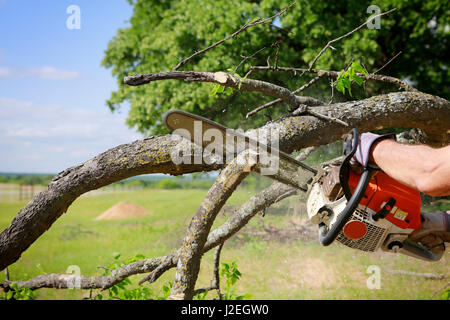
{"x":123,"y":210}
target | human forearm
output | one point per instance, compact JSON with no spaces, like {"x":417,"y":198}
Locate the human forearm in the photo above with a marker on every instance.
{"x":419,"y":166}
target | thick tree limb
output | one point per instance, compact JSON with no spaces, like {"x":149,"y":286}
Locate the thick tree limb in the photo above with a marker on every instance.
{"x":191,"y":251}
{"x":401,"y":109}
{"x":394,"y":110}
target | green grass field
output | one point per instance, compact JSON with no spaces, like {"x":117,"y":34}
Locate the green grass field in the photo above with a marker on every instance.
{"x":270,"y":269}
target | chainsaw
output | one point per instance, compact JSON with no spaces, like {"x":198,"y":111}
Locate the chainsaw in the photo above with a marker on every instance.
{"x":364,"y":210}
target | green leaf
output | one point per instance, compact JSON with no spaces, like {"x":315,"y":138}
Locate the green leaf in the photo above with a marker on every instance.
{"x":347,"y":84}
{"x":9,"y":295}
{"x":114,"y":289}
{"x":229,"y":90}
{"x":98,"y":297}
{"x":445,"y":295}
{"x":357,"y":79}
{"x":215,"y":89}
{"x":359,"y":68}
{"x":340,"y":87}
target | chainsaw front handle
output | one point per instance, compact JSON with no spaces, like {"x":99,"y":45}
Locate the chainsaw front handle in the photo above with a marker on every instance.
{"x":327,"y":236}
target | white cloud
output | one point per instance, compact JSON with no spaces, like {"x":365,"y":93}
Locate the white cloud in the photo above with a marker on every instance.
{"x":55,"y":137}
{"x":45,"y":73}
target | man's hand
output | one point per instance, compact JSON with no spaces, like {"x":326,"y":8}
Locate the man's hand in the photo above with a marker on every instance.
{"x":366,"y":141}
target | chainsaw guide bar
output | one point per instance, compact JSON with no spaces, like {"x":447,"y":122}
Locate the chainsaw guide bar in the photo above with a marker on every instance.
{"x":195,"y":128}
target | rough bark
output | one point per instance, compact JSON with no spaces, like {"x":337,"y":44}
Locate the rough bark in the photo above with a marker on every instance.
{"x":191,"y":251}
{"x":70,"y":281}
{"x":226,"y":80}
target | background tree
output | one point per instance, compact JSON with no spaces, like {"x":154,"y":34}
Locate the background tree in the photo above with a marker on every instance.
{"x":162,"y":33}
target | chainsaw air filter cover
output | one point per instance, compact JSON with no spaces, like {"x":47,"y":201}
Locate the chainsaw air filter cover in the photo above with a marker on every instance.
{"x":387,"y":210}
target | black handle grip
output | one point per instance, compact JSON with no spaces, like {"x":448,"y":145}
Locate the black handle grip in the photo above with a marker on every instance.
{"x":326,"y":237}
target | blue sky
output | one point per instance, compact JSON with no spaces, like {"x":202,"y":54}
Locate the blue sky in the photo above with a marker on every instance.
{"x":52,"y":86}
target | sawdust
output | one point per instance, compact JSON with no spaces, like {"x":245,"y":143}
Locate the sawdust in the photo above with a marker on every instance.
{"x":123,"y":210}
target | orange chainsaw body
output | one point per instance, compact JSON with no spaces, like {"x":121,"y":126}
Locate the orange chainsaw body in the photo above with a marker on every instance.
{"x":405,"y":213}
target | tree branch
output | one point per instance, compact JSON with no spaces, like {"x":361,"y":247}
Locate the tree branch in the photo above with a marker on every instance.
{"x":215,"y":282}
{"x":334,"y":74}
{"x":330,"y":74}
{"x":70,"y":281}
{"x":227,"y":80}
{"x":191,"y":251}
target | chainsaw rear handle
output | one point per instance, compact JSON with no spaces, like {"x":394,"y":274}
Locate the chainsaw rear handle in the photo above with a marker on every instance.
{"x":327,"y":236}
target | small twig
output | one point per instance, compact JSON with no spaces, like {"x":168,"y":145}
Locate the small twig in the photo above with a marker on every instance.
{"x":303,"y":109}
{"x":332,"y":94}
{"x":233,"y":35}
{"x":306,"y":153}
{"x":276,"y":54}
{"x":215,"y":282}
{"x":106,"y":268}
{"x":266,"y":105}
{"x":216,"y":277}
{"x":441,"y":290}
{"x":246,"y":58}
{"x":6,"y":274}
{"x":156,"y":273}
{"x":324,"y":117}
{"x":310,"y":83}
{"x":269,"y":104}
{"x":285,"y":195}
{"x":387,"y":63}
